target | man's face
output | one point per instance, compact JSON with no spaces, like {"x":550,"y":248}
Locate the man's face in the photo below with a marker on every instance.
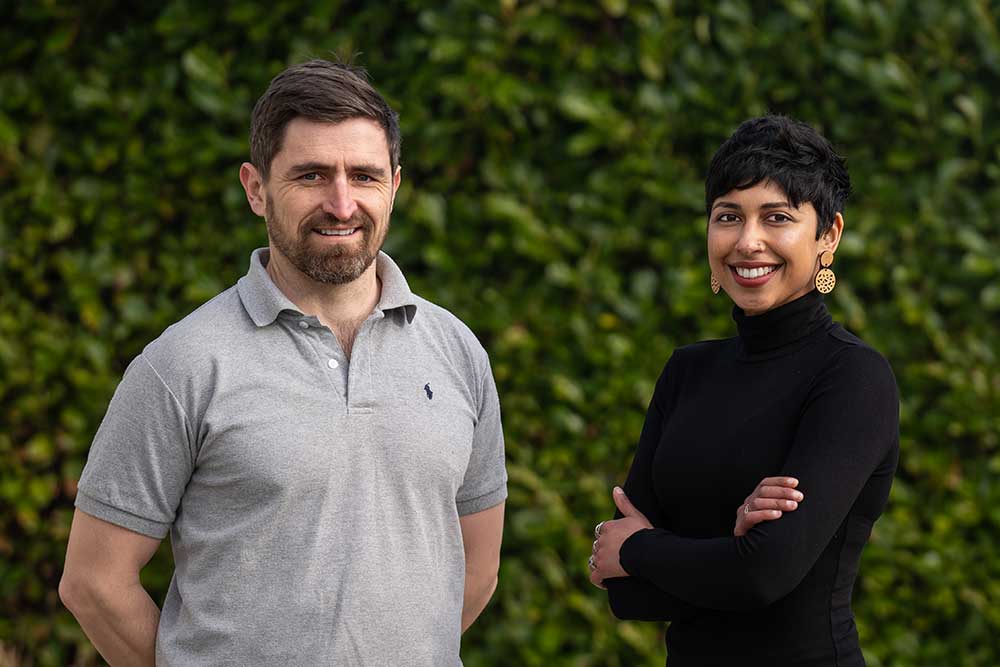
{"x":328,"y":198}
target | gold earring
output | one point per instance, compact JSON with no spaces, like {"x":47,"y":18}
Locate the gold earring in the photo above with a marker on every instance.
{"x":716,"y":286}
{"x":826,"y":279}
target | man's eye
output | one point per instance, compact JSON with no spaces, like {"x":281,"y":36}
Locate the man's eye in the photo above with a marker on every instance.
{"x":311,"y":176}
{"x":364,"y":178}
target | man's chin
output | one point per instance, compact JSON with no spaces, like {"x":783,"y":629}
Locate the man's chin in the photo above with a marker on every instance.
{"x":338,"y":269}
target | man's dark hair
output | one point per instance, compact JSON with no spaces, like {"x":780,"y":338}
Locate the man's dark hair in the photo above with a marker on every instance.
{"x":788,"y":153}
{"x":318,"y":90}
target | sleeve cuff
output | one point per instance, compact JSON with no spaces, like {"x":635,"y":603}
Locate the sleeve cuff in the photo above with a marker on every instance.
{"x":119,"y":517}
{"x":619,"y":598}
{"x":483,"y":502}
{"x":632,"y":554}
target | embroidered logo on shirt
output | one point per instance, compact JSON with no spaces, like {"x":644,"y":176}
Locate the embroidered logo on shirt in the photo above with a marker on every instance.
{"x":427,"y":388}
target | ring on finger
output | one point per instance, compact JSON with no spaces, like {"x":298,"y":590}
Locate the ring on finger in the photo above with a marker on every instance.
{"x":597,"y":529}
{"x":593,"y":549}
{"x":590,"y":563}
{"x":746,"y":508}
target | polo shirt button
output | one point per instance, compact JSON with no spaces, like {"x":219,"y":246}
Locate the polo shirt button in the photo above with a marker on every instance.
{"x":333,"y":363}
{"x":303,"y":324}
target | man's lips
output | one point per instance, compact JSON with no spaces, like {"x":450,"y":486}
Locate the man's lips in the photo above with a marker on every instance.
{"x":335,"y":232}
{"x":332,"y":230}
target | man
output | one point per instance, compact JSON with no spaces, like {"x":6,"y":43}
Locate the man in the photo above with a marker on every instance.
{"x":323,"y":446}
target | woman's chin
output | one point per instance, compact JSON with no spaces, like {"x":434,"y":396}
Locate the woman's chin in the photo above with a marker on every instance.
{"x":751,"y":307}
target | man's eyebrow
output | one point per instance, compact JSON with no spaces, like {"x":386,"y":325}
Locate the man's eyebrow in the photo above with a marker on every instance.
{"x":369,"y":168}
{"x":304,"y":167}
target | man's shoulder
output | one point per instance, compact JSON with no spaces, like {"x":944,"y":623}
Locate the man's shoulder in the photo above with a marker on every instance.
{"x":442,"y":327}
{"x":201,"y":335}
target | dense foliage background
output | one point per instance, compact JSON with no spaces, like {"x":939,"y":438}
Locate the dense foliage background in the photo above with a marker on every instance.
{"x":553,"y":161}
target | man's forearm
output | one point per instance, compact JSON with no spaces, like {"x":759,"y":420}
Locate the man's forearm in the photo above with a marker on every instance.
{"x":478,"y":592}
{"x":120,"y":622}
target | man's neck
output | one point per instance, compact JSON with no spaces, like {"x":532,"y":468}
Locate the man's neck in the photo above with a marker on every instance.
{"x":336,"y":306}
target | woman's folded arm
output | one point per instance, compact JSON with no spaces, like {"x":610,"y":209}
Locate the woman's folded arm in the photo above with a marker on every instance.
{"x":848,"y":433}
{"x":635,"y":599}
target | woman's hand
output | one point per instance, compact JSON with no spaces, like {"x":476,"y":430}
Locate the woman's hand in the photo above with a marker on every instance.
{"x":772,"y":496}
{"x":604,"y":562}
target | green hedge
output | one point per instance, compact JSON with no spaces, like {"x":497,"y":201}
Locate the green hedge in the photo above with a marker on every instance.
{"x":553,"y":160}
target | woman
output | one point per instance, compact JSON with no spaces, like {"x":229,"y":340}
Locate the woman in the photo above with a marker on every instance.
{"x":793,"y":395}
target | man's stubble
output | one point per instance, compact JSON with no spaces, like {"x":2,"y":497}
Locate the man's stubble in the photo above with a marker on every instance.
{"x":335,"y":265}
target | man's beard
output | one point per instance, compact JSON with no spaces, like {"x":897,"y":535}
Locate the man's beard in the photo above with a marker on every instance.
{"x":334,"y":265}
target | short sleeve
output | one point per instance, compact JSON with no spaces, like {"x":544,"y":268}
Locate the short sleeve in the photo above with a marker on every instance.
{"x":141,"y":458}
{"x":485,"y":482}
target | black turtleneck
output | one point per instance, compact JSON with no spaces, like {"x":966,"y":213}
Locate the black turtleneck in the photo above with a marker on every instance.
{"x":794,"y":394}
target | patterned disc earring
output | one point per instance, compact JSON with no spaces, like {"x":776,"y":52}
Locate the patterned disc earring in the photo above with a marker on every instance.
{"x":826,"y":280}
{"x":715,"y":284}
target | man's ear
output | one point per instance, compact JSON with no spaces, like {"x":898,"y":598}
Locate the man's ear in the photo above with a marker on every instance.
{"x":253,"y":185}
{"x":831,"y":237}
{"x":397,"y":177}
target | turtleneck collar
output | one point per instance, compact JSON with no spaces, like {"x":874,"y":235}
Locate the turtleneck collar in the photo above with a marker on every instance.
{"x":781,"y":326}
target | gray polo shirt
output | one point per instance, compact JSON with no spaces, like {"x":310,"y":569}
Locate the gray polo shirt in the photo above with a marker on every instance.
{"x":312,"y":501}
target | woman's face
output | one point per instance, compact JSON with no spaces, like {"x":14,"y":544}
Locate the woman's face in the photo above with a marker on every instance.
{"x":763,"y":250}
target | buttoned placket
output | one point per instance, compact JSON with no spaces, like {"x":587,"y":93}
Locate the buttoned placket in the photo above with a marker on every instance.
{"x":327,"y":354}
{"x":351,"y":379}
{"x":360,"y":392}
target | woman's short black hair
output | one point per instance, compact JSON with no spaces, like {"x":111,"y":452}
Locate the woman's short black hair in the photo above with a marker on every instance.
{"x":787,"y":152}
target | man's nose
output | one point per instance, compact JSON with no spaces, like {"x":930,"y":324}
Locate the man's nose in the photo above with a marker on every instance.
{"x":339,"y":203}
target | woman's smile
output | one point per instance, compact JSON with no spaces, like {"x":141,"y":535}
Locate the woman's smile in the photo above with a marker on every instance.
{"x":753,"y":274}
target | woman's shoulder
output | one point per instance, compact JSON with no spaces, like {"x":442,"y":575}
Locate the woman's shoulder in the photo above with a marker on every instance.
{"x":697,"y":356}
{"x":852,"y":359}
{"x":844,"y":343}
{"x":704,"y":348}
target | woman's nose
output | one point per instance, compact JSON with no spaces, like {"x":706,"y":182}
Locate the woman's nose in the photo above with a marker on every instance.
{"x":751,"y":239}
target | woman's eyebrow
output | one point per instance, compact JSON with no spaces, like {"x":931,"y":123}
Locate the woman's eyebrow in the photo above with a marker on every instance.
{"x":733,"y":206}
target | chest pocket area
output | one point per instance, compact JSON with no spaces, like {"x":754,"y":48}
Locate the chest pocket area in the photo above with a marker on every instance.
{"x":424,"y":432}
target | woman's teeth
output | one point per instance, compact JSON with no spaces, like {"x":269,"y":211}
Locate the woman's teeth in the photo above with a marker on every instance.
{"x":754,"y":273}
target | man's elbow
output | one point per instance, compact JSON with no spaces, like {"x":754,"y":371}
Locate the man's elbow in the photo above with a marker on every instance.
{"x":484,"y":576}
{"x":487,"y":587}
{"x":79,"y":593}
{"x":491,"y":587}
{"x":72,"y":592}
{"x":478,"y":592}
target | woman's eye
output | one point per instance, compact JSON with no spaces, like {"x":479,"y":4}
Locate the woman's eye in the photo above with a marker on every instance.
{"x":727,"y":218}
{"x":780,"y":217}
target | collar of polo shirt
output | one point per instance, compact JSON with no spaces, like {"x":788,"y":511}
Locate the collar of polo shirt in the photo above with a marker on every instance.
{"x":264,"y":301}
